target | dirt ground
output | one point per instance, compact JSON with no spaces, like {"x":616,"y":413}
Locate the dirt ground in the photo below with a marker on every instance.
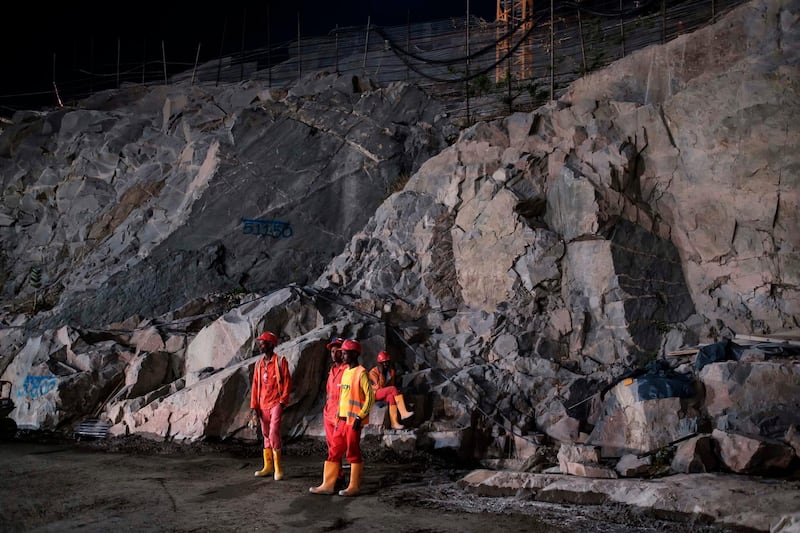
{"x":133,"y":484}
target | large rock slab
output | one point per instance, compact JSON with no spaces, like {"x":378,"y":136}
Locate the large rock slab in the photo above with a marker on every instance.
{"x":52,"y":385}
{"x":759,"y":398}
{"x":724,"y":499}
{"x":218,"y":405}
{"x":745,"y":454}
{"x":631,"y":424}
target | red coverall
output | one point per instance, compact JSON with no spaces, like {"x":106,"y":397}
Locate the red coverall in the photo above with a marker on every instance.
{"x":272,"y":383}
{"x":383,"y":386}
{"x":330,"y":413}
{"x":357,"y":398}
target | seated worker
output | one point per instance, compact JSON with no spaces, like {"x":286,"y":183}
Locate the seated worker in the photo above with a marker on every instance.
{"x":382,"y":377}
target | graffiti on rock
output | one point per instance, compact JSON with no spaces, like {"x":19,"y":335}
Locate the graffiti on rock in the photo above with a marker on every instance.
{"x":267,"y":228}
{"x":37,"y":386}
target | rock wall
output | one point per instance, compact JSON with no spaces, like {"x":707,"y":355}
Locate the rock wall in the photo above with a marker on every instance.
{"x":519,"y":273}
{"x":600,"y":231}
{"x":712,"y":116}
{"x":145,"y":198}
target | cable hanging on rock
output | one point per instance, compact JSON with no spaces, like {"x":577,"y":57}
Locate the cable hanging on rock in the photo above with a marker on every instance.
{"x":461,"y":79}
{"x":507,"y":424}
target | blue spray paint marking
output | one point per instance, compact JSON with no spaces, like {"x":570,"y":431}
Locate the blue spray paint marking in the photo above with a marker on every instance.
{"x":36,"y":386}
{"x":267,"y":228}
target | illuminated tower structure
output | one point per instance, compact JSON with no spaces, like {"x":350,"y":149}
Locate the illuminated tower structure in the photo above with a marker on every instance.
{"x":514,"y":15}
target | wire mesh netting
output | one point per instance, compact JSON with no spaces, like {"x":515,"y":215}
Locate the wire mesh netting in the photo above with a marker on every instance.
{"x":479,"y":68}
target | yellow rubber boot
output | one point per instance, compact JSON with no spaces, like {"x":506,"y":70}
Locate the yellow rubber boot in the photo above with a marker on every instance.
{"x":276,"y":454}
{"x":393,"y":417}
{"x":356,"y":471}
{"x":328,"y":479}
{"x":268,"y":465}
{"x":401,"y":406}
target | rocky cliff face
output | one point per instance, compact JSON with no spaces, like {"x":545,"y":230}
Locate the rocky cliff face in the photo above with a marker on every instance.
{"x":144,"y":199}
{"x":518,"y":275}
{"x":639,"y":213}
{"x":711,"y":116}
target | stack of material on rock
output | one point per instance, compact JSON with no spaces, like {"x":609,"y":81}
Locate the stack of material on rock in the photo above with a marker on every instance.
{"x":92,"y":428}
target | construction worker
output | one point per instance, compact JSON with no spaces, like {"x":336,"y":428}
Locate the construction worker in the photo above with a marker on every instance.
{"x":272,"y":383}
{"x":330,"y":413}
{"x":382,"y":379}
{"x":355,"y":401}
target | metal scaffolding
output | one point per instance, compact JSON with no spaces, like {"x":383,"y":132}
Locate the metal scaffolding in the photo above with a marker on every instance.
{"x":515,"y":18}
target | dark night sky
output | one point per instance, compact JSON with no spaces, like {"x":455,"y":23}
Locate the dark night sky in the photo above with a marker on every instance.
{"x":83,"y":35}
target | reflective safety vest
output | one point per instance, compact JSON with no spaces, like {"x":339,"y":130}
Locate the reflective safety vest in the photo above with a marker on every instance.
{"x":378,"y":379}
{"x":357,"y":396}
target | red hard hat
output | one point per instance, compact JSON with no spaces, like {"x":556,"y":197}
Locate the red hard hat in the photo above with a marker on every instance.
{"x":351,"y":345}
{"x":269,"y":337}
{"x":383,"y":357}
{"x":336,"y":341}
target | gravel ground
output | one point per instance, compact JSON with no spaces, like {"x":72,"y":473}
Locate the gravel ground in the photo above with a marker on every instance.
{"x":135,"y":484}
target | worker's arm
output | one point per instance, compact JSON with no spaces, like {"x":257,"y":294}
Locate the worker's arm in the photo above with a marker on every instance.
{"x":369,"y":396}
{"x":375,"y":378}
{"x":287,"y":382}
{"x":254,"y":390}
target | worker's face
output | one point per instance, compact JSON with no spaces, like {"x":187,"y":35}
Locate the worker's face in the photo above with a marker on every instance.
{"x":384,"y":365}
{"x":336,"y":355}
{"x":350,"y":357}
{"x":265,"y":347}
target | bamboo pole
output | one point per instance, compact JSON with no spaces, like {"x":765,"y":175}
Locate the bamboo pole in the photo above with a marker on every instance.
{"x":119,"y":46}
{"x":408,"y":40}
{"x":622,"y":28}
{"x":269,"y":51}
{"x":164,"y":61}
{"x":552,"y":55}
{"x":91,"y":64}
{"x":509,"y":26}
{"x":244,"y":31}
{"x":196,"y":59}
{"x":366,"y":44}
{"x":55,"y":88}
{"x":583,"y":44}
{"x":466,"y":59}
{"x":299,"y":50}
{"x":221,"y":47}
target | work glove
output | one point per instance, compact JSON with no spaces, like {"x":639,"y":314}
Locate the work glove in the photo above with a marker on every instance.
{"x":357,"y":424}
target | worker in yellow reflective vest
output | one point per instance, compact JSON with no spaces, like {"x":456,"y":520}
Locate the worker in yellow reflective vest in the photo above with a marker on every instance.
{"x":355,"y":401}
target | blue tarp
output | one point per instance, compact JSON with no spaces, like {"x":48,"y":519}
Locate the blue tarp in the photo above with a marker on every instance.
{"x":658,"y":380}
{"x":724,"y":350}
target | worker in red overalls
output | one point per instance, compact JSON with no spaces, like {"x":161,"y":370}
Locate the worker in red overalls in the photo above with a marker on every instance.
{"x":272,"y":383}
{"x":382,"y":379}
{"x":330,"y":413}
{"x":355,"y":401}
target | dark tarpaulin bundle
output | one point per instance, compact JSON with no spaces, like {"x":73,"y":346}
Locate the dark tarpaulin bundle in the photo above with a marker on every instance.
{"x":724,"y":350}
{"x":727,"y":350}
{"x":657,"y":380}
